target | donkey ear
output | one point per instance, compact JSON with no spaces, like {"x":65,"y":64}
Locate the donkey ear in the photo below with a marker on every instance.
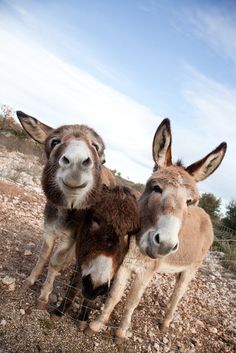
{"x":161,"y":146}
{"x":37,"y":130}
{"x":200,"y":170}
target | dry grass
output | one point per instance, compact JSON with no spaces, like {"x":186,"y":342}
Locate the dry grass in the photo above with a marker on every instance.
{"x":225,"y":241}
{"x":229,"y":249}
{"x":22,"y":145}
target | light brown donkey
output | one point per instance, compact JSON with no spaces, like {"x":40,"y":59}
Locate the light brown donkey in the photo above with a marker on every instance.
{"x":175,"y":233}
{"x":72,"y":179}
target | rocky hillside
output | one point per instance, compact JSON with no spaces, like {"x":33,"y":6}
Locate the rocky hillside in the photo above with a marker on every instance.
{"x":204,"y":322}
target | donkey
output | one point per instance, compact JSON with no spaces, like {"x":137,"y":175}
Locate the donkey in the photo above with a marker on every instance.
{"x":72,"y":179}
{"x":175,"y":234}
{"x":102,"y":241}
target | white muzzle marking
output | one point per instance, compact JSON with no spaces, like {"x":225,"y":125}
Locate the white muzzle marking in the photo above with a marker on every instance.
{"x":100,"y":269}
{"x":168,"y":228}
{"x":75,"y":175}
{"x":161,"y":239}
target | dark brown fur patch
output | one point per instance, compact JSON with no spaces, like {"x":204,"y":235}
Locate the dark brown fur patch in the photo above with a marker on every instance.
{"x":116,"y":214}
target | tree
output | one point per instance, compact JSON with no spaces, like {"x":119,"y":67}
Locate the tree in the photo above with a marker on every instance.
{"x":6,"y":117}
{"x":230,"y":216}
{"x":8,"y":123}
{"x":211,"y":205}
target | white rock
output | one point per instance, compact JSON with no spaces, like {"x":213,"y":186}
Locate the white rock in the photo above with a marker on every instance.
{"x":213,"y":329}
{"x":193,"y":330}
{"x":8,"y":280}
{"x":12,"y":287}
{"x":3,"y":322}
{"x":22,"y":311}
{"x":27,"y":253}
{"x":165,"y":340}
{"x":199,"y":323}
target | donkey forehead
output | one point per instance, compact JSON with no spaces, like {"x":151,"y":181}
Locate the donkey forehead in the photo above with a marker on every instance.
{"x":78,"y":131}
{"x":173,"y":176}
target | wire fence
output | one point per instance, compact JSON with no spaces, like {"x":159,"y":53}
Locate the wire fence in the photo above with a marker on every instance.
{"x":139,"y":335}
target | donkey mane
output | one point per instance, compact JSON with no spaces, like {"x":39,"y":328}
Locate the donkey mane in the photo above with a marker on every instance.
{"x":179,"y":163}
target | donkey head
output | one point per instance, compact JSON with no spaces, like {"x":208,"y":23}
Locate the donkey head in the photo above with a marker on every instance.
{"x":74,"y":157}
{"x":103,"y":240}
{"x":168,"y":193}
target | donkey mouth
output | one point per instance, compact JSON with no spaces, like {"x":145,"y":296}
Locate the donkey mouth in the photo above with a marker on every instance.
{"x":73,"y":187}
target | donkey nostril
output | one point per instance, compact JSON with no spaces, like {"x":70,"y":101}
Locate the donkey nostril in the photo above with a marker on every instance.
{"x":86,"y":162}
{"x":65,"y":160}
{"x":175,"y":247}
{"x":157,"y":238}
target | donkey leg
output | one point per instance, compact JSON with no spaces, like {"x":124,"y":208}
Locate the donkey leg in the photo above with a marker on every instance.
{"x":140,"y":283}
{"x":56,"y":264}
{"x":49,"y":239}
{"x":114,"y":296}
{"x":182,"y":282}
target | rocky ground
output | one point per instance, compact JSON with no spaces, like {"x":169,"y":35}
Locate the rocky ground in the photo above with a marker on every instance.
{"x":205,"y":321}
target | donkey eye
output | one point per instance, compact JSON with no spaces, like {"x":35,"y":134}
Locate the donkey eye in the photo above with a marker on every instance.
{"x":55,"y":142}
{"x":189,"y":202}
{"x":95,"y":146}
{"x":156,"y":188}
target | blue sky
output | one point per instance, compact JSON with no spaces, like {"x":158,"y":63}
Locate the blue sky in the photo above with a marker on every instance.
{"x":121,"y":67}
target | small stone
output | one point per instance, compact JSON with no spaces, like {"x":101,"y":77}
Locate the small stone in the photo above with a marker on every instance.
{"x":156,"y":346}
{"x":151,"y":334}
{"x":213,"y":329}
{"x":12,"y":287}
{"x":3,"y":322}
{"x":27,"y":253}
{"x":165,"y":340}
{"x":199,"y":323}
{"x":22,"y":311}
{"x":31,"y":244}
{"x":8,"y":280}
